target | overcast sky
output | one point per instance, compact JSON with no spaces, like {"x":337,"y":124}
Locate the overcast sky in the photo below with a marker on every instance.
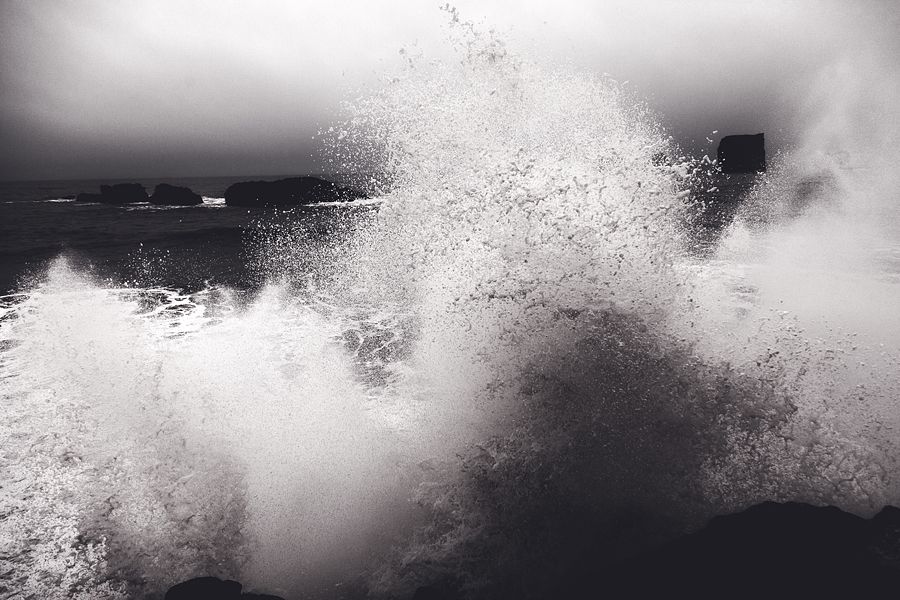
{"x":117,"y":88}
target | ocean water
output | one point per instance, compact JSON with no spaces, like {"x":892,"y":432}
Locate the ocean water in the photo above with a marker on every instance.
{"x":540,"y":351}
{"x":178,"y":246}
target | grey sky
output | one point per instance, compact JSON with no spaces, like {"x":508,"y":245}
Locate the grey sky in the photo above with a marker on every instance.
{"x":117,"y":88}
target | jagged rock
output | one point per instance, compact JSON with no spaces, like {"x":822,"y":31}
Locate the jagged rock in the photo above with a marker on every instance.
{"x":120,"y":193}
{"x":771,"y":549}
{"x":742,"y":153}
{"x":212,"y":588}
{"x":173,"y":195}
{"x":287,"y":192}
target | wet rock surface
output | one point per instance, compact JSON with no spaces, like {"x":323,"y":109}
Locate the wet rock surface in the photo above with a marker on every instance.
{"x":293,"y":191}
{"x":173,"y":195}
{"x":772,"y":549}
{"x":769,"y":550}
{"x":213,"y":588}
{"x":119,"y":193}
{"x":742,"y":153}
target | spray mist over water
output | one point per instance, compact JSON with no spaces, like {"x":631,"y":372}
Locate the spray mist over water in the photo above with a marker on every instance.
{"x":802,"y":287}
{"x":477,"y":380}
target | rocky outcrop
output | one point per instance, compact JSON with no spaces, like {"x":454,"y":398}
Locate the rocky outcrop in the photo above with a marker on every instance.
{"x":173,"y":195}
{"x":295,"y":191}
{"x":771,"y":549}
{"x":120,"y":193}
{"x":88,"y":197}
{"x":742,"y":153}
{"x":123,"y":193}
{"x":213,"y":588}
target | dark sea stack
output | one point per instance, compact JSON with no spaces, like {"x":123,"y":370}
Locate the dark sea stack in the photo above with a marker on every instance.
{"x":87,"y":197}
{"x":772,"y":548}
{"x":123,"y":193}
{"x":212,"y":588}
{"x":118,"y":194}
{"x":742,"y":153}
{"x":295,"y":191}
{"x":173,"y":195}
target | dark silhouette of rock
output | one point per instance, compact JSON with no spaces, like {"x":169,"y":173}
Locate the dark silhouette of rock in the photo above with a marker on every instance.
{"x":742,"y":153}
{"x":87,"y":197}
{"x":123,"y":193}
{"x":288,"y":192}
{"x":434,"y":592}
{"x":120,"y":193}
{"x":199,"y":588}
{"x":212,"y":588}
{"x":173,"y":195}
{"x":771,"y":549}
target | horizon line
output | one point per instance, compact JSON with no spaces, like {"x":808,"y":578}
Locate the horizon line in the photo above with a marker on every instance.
{"x":153,"y":177}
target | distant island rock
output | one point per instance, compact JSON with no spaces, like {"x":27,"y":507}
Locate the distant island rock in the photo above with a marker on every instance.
{"x":213,"y":588}
{"x":295,"y":191}
{"x":120,"y":193}
{"x":742,"y":153}
{"x":173,"y":195}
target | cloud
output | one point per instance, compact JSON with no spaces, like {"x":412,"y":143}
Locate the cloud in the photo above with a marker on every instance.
{"x":103,"y":87}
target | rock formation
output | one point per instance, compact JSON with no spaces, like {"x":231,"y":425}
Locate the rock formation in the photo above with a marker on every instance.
{"x":213,"y":588}
{"x":120,"y":193}
{"x":287,"y":192}
{"x":771,"y":549}
{"x":88,"y":197}
{"x":173,"y":195}
{"x":742,"y":153}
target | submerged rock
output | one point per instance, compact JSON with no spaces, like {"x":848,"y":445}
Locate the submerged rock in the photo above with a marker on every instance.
{"x":742,"y":153}
{"x":212,"y":588}
{"x":295,"y":191}
{"x":173,"y":195}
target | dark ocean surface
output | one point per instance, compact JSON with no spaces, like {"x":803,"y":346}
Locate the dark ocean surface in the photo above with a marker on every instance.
{"x":141,"y":244}
{"x":192,"y":246}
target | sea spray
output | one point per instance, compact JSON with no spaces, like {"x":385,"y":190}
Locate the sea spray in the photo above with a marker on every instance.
{"x":512,"y":371}
{"x":801,"y":290}
{"x":534,"y":230}
{"x":192,"y":437}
